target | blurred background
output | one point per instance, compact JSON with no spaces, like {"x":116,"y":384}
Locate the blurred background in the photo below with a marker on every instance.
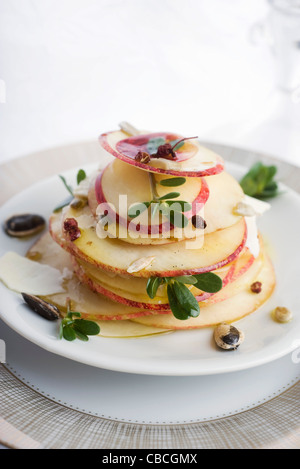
{"x":225,"y":70}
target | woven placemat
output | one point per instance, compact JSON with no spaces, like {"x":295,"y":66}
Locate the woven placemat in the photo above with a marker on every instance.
{"x":44,"y":423}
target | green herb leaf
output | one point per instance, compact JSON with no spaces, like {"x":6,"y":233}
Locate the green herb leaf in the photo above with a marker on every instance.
{"x":152,"y":286}
{"x":80,"y":336}
{"x":69,"y":188}
{"x":67,"y":321}
{"x":164,"y":209}
{"x":186,"y":299}
{"x":178,"y":311}
{"x":69,"y":333}
{"x":154,"y":143}
{"x":208,"y":282}
{"x":179,"y":205}
{"x":182,"y":302}
{"x":136,"y":209}
{"x":172,"y":182}
{"x":259,"y":183}
{"x":70,"y":314}
{"x":86,"y":327}
{"x":71,"y":328}
{"x":186,"y":279}
{"x":177,"y":219}
{"x":170,"y":195}
{"x":81,"y":176}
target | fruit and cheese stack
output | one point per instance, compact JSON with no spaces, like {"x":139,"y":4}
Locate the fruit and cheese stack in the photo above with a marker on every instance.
{"x":162,"y":236}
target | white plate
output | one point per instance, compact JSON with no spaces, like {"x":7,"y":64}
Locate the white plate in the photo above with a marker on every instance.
{"x":184,"y":353}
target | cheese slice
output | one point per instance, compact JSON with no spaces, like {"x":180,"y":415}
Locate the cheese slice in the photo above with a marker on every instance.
{"x":24,"y":275}
{"x":250,"y":206}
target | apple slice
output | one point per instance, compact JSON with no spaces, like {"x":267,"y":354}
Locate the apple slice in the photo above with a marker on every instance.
{"x":218,"y":209}
{"x":230,"y":310}
{"x":122,"y":186}
{"x":171,"y":260}
{"x":132,"y":291}
{"x":192,"y":159}
{"x":88,"y":303}
{"x":125,"y":329}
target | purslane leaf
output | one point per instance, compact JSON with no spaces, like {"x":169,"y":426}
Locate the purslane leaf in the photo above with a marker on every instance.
{"x":259,"y":183}
{"x":63,"y":204}
{"x":69,"y":188}
{"x":177,"y":219}
{"x":69,"y":333}
{"x":86,"y":327}
{"x":173,"y":182}
{"x":179,"y":205}
{"x":154,"y":143}
{"x":178,"y":311}
{"x":80,"y":336}
{"x":208,"y":282}
{"x":81,"y":176}
{"x":152,"y":286}
{"x":170,"y":195}
{"x":136,"y":209}
{"x":81,"y":328}
{"x":186,"y":299}
{"x":186,"y":279}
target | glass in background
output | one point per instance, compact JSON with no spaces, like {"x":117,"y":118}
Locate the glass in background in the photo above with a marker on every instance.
{"x":281,"y":31}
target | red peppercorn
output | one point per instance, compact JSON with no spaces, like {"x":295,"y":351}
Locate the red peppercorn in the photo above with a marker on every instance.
{"x":142,"y":157}
{"x":71,"y":228}
{"x":165,"y":151}
{"x":256,"y":287}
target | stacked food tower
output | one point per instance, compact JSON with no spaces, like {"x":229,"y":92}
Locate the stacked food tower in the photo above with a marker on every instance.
{"x":162,"y":236}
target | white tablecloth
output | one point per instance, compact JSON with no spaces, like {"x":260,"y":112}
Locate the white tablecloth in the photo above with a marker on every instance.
{"x":71,"y":69}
